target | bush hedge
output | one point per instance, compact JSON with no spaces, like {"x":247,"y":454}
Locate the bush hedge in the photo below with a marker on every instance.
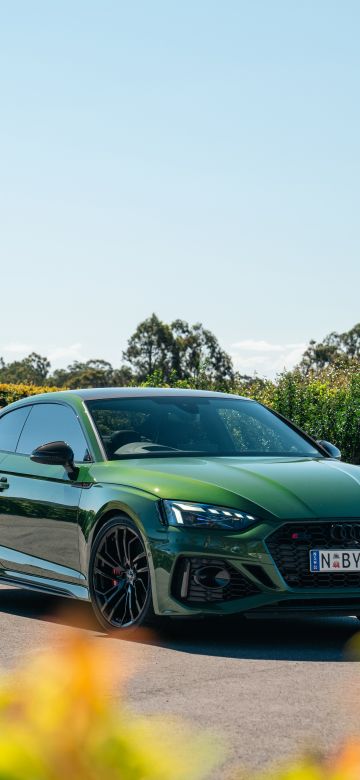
{"x":327,"y":407}
{"x":11,"y":393}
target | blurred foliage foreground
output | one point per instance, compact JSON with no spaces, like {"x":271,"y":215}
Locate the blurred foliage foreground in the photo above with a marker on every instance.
{"x":58,"y":721}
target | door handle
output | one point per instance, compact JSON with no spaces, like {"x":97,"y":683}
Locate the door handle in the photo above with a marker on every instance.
{"x":3,"y":483}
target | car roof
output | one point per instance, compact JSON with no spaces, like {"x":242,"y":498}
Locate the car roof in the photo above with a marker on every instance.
{"x":98,"y":393}
{"x":92,"y":394}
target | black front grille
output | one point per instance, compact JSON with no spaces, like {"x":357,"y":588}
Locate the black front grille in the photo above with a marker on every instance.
{"x":290,"y":548}
{"x":189,"y":583}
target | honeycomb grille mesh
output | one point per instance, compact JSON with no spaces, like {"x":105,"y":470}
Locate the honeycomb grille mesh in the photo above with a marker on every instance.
{"x":293,"y":559}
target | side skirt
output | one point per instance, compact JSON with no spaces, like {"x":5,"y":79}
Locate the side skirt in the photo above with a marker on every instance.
{"x":43,"y":585}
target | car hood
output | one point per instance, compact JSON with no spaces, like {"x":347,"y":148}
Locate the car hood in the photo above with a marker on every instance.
{"x":281,"y":487}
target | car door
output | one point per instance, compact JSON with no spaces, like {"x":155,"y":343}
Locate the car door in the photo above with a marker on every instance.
{"x":39,"y":503}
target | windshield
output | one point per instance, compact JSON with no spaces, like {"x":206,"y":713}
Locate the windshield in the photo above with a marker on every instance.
{"x":165,"y":426}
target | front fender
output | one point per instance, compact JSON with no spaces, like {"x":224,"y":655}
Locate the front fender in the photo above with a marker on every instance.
{"x":100,"y":502}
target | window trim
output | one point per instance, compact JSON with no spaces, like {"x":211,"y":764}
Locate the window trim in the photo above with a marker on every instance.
{"x":53,"y":403}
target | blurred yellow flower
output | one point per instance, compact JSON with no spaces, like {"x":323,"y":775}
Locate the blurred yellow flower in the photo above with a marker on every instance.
{"x":58,"y":722}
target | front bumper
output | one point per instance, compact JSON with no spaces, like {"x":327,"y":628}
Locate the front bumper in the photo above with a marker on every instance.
{"x":269,"y":572}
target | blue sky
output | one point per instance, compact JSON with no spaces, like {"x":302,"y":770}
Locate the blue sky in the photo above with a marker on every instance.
{"x":196,"y":159}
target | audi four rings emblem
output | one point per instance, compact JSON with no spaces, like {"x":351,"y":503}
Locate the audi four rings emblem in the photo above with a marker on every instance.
{"x":345,"y":532}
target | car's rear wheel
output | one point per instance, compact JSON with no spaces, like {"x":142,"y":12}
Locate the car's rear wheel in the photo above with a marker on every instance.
{"x":119,"y":577}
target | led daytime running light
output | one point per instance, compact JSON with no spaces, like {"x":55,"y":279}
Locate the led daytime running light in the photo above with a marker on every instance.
{"x":189,"y":515}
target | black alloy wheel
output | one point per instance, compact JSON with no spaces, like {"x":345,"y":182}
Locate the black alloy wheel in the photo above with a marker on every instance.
{"x":119,"y":576}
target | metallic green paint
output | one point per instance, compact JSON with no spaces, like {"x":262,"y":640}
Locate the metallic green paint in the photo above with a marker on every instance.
{"x":281,"y":487}
{"x":48,"y":522}
{"x":38,"y":517}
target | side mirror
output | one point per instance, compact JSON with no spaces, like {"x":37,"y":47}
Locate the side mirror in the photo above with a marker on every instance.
{"x":56,"y":453}
{"x":331,"y":450}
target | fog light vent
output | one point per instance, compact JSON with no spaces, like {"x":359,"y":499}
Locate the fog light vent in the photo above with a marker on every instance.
{"x":202,"y":580}
{"x":212,"y":577}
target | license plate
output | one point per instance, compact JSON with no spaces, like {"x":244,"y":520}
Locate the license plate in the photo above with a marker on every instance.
{"x":334,"y":560}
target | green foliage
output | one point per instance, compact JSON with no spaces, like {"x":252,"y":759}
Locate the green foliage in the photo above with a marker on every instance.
{"x":336,"y":349}
{"x":34,"y":369}
{"x":196,"y":352}
{"x":178,"y":353}
{"x":150,"y":348}
{"x":92,"y":373}
{"x":179,"y":350}
{"x":10,"y":393}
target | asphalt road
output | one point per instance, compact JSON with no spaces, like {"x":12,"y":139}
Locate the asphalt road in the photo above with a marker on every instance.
{"x":268,"y":687}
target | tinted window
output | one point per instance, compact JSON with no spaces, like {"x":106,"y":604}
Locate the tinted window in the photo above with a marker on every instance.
{"x":143,"y":427}
{"x":53,"y":422}
{"x":11,"y":426}
{"x":253,"y":428}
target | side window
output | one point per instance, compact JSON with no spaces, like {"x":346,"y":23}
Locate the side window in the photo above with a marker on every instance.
{"x":11,"y":425}
{"x":53,"y":422}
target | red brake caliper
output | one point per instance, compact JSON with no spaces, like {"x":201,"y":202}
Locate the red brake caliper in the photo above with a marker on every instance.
{"x":116,"y":572}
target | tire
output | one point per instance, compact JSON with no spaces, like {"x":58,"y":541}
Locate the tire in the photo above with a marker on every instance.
{"x":119,"y":577}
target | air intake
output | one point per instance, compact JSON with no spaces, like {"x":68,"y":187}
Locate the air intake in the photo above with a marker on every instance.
{"x":206,"y":580}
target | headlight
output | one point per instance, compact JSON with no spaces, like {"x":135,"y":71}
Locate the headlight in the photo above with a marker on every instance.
{"x":182,"y":513}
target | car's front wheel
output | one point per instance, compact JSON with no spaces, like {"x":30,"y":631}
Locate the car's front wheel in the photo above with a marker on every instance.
{"x":119,"y":576}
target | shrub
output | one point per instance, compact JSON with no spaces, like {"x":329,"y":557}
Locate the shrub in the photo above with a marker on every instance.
{"x":11,"y":393}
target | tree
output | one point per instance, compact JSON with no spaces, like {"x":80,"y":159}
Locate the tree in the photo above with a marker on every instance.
{"x":173,"y":352}
{"x":177,"y":350}
{"x":337,"y":349}
{"x":92,"y":373}
{"x":32,"y":370}
{"x":151,"y":349}
{"x":351,"y":341}
{"x":197,"y":350}
{"x":318,"y":356}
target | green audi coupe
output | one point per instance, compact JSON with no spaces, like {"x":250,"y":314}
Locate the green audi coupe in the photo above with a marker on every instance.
{"x":175,"y":503}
